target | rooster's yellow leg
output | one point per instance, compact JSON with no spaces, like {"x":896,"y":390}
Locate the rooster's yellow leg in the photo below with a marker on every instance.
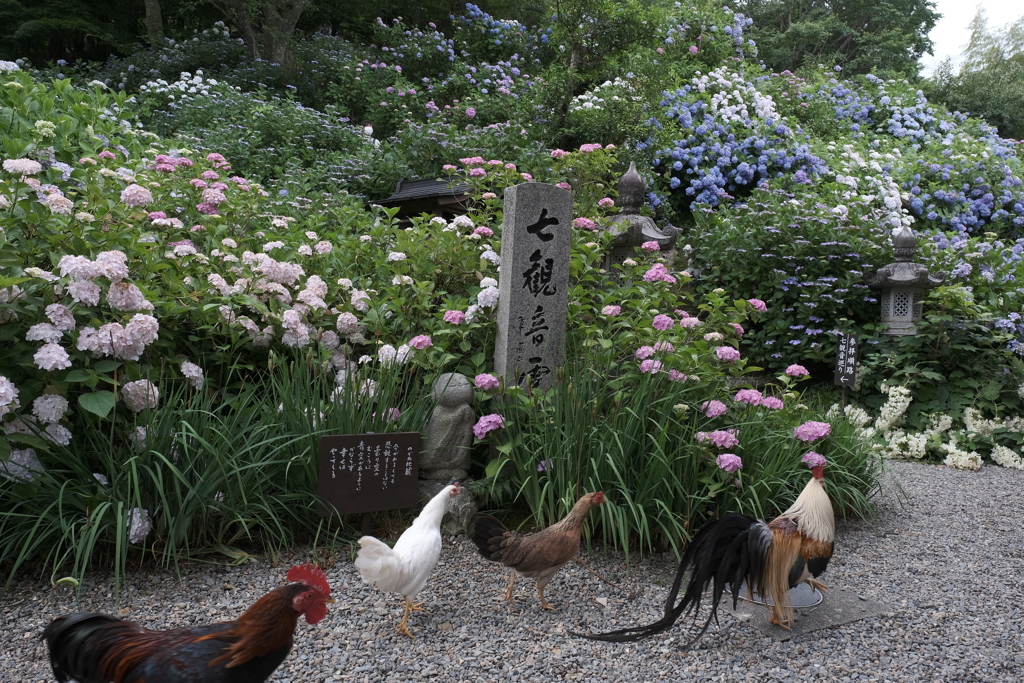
{"x":544,"y":604}
{"x":511,"y":582}
{"x":774,"y":619}
{"x":404,"y":626}
{"x":818,"y":585}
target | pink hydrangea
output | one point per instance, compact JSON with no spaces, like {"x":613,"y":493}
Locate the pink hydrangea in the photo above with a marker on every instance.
{"x":676,"y":376}
{"x":650,"y":366}
{"x":650,"y":246}
{"x":470,"y":112}
{"x":198,"y":183}
{"x":738,"y":328}
{"x":477,"y":173}
{"x":564,"y":186}
{"x":758,"y":305}
{"x":727,"y":353}
{"x":484,"y":231}
{"x":722,"y":438}
{"x":730,"y":462}
{"x":611,"y":310}
{"x":689,"y":321}
{"x":772,"y":403}
{"x":107,"y":154}
{"x":658,"y":272}
{"x":713,"y":408}
{"x":486,"y":382}
{"x":797,"y":371}
{"x":448,"y":167}
{"x":664,"y":346}
{"x":136,"y":195}
{"x":592,"y":147}
{"x":421,"y":342}
{"x":606,"y":203}
{"x":454,"y":317}
{"x":693,"y":49}
{"x":813,"y":459}
{"x":488,"y":423}
{"x":645,"y":352}
{"x":584,"y":223}
{"x":750,"y":396}
{"x":812,"y":431}
{"x":558,"y":153}
{"x":527,"y":177}
{"x":662,"y":322}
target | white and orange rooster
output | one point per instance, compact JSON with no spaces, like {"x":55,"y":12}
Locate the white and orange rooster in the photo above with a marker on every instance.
{"x":405,"y":568}
{"x":771,"y":558}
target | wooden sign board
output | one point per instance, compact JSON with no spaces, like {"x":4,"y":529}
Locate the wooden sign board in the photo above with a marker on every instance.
{"x":369,"y":472}
{"x":846,"y":360}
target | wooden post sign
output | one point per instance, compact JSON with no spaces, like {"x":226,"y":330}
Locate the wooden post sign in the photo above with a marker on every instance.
{"x":846,"y":360}
{"x":369,"y":472}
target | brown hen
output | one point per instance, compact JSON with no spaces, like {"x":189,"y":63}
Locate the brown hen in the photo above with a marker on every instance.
{"x":536,"y":556}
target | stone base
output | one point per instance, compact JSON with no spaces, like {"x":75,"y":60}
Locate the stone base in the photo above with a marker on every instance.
{"x":462,"y":510}
{"x":840,"y":606}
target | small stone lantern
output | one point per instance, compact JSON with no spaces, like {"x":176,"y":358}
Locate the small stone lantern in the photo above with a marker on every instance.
{"x":903,"y":284}
{"x":629,"y":228}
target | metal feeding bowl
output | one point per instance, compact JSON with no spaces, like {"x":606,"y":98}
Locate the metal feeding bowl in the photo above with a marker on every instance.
{"x":801,"y":596}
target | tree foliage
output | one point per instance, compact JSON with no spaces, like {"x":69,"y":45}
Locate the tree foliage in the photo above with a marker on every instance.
{"x":990,"y":83}
{"x":884,"y":37}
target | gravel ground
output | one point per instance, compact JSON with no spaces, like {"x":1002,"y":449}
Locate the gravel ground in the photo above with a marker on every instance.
{"x":948,"y":563}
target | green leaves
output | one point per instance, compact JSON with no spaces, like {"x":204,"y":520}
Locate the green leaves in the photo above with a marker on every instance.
{"x":98,"y":402}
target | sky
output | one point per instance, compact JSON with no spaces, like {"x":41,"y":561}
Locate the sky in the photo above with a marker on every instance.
{"x":951,"y":35}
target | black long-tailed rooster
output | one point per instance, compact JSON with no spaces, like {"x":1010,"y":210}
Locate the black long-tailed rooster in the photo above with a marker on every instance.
{"x":97,"y":648}
{"x":771,"y":558}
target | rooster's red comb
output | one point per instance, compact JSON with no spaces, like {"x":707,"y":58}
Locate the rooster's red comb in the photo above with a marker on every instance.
{"x":310,"y":575}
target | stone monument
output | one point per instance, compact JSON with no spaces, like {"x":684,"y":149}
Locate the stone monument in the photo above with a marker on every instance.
{"x":629,"y":228}
{"x":449,"y":434}
{"x":534,"y":284}
{"x":445,"y":455}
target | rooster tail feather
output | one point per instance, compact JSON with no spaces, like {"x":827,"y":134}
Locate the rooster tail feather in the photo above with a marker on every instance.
{"x":77,"y":645}
{"x":487,"y":535}
{"x":723,"y":553}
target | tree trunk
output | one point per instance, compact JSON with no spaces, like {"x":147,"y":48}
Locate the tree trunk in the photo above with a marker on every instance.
{"x":279,"y":20}
{"x":154,"y":25}
{"x":235,"y":12}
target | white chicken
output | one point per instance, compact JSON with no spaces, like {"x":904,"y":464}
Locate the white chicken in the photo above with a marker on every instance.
{"x":405,"y":568}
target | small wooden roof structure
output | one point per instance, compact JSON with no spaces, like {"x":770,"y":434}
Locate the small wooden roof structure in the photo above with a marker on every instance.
{"x":431,"y":196}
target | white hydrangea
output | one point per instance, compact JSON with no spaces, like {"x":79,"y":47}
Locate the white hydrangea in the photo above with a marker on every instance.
{"x":22,"y":166}
{"x":58,"y":434}
{"x":125,"y":296}
{"x":61,"y":316}
{"x":488,"y":282}
{"x":44,"y":332}
{"x":959,"y":459}
{"x":101,"y":478}
{"x":49,"y":408}
{"x":895,"y":409}
{"x":488,"y":297}
{"x":8,"y":396}
{"x":396,"y":256}
{"x":463,"y":221}
{"x":21,"y":465}
{"x":193,"y":373}
{"x":1007,"y":458}
{"x":137,"y":438}
{"x":360,"y":300}
{"x":140,"y":395}
{"x":52,"y":357}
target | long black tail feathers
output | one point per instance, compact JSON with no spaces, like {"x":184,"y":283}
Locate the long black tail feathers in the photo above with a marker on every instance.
{"x":724,"y":552}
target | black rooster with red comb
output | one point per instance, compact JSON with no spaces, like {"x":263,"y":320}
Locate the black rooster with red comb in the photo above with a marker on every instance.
{"x":97,"y":648}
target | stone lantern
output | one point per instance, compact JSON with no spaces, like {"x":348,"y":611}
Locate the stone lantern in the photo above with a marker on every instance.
{"x":903,"y":285}
{"x":629,"y":228}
